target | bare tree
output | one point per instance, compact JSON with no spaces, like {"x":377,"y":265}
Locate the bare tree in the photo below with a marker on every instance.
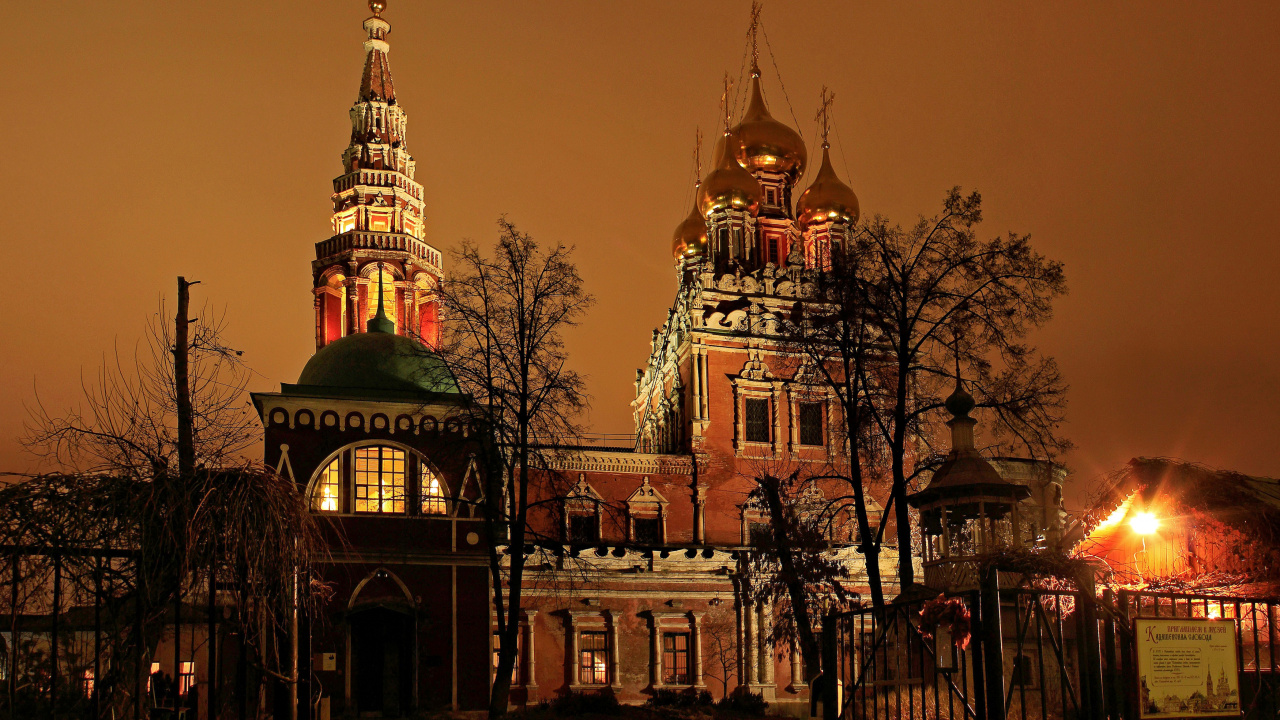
{"x":944,"y":303}
{"x":792,"y":567}
{"x":720,"y":640}
{"x":898,"y":318}
{"x":506,"y":312}
{"x":153,"y":474}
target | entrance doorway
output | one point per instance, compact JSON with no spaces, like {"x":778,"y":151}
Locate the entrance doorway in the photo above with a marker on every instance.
{"x":382,"y":662}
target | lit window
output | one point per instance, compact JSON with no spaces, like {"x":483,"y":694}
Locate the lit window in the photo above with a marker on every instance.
{"x":155,"y":670}
{"x":757,"y":412}
{"x":675,"y":658}
{"x":497,"y":646}
{"x":811,"y":424}
{"x":88,"y":683}
{"x":379,"y":476}
{"x":187,"y":678}
{"x":433,"y":502}
{"x":379,"y":222}
{"x":326,"y":497}
{"x":387,"y":282}
{"x":593,"y":649}
{"x":347,"y":222}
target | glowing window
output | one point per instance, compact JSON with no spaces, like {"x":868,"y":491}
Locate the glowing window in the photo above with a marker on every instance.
{"x":379,"y":476}
{"x":347,"y":221}
{"x":326,"y":497}
{"x":675,"y":658}
{"x":187,"y":678}
{"x":388,"y":295}
{"x":593,"y":649}
{"x":433,"y":502}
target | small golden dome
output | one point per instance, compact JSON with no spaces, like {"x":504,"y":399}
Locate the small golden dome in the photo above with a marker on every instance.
{"x":827,"y":199}
{"x":764,"y":144}
{"x":690,"y":238}
{"x":729,"y":185}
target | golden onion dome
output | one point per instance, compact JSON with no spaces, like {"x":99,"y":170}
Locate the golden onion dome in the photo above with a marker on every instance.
{"x":827,"y":199}
{"x":766,"y":145}
{"x":729,"y":185}
{"x":690,"y":238}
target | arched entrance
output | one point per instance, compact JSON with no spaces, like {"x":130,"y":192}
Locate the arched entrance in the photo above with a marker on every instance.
{"x":382,"y":661}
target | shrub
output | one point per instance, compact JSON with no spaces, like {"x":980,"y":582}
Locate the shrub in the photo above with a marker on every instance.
{"x":573,"y":704}
{"x":745,"y":703}
{"x":688,"y":697}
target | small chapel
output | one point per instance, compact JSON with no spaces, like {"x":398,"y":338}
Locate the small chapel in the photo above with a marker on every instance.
{"x":373,"y":435}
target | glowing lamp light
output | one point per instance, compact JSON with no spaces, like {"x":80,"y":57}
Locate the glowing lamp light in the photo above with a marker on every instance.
{"x":1144,"y":523}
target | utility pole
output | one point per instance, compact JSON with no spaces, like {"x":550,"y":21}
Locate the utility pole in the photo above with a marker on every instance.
{"x":182,"y":381}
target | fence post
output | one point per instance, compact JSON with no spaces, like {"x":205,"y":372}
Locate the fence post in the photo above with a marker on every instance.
{"x":830,"y":673}
{"x":1090,"y":654}
{"x":975,"y":652}
{"x":53,"y":644}
{"x":992,"y":644}
{"x":1127,"y":670}
{"x":1111,"y":682}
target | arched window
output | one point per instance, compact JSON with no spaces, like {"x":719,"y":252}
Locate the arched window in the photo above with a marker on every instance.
{"x":327,"y":495}
{"x":379,"y":479}
{"x":433,"y":499}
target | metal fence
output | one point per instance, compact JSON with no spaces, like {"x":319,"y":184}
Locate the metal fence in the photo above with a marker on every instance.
{"x":1033,"y":655}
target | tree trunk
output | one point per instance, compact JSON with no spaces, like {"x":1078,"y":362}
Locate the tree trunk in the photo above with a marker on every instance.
{"x":796,"y":589}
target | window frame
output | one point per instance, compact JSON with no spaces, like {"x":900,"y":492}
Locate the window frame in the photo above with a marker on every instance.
{"x":671,"y":655}
{"x":752,"y":401}
{"x":819,"y":408}
{"x":600,"y":661}
{"x":382,"y":499}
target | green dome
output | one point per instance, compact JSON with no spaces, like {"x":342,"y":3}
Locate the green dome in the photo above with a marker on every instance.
{"x":379,"y":361}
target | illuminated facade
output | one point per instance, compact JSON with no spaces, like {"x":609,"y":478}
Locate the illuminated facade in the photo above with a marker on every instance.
{"x":377,"y":218}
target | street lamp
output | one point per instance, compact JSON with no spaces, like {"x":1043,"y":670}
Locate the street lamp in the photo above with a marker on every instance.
{"x":1144,"y":523}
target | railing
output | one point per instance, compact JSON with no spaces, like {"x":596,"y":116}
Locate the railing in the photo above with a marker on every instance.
{"x":377,"y":241}
{"x":1034,"y":655}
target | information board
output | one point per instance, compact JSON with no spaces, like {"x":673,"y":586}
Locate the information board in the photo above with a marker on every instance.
{"x":1187,"y":667}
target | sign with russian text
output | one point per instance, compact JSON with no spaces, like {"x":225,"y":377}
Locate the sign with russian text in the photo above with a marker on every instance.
{"x":1187,"y":667}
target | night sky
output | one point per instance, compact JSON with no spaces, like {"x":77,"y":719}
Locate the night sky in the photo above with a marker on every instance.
{"x":1136,"y":142}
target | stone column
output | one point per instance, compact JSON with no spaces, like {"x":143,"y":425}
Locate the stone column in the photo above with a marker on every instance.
{"x":319,"y":306}
{"x":353,"y":306}
{"x":695,"y":625}
{"x":571,"y":649}
{"x":655,"y":652}
{"x":751,"y":650}
{"x":797,"y":673}
{"x":699,"y":513}
{"x":766,"y":648}
{"x":531,"y":667}
{"x":615,"y":678}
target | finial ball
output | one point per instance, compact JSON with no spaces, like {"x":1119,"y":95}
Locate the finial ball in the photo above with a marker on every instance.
{"x":377,"y":6}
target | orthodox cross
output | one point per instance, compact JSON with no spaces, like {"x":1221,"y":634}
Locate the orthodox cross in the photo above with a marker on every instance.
{"x":824,"y":113}
{"x":697,"y":157}
{"x":752,"y":30}
{"x":724,"y":103}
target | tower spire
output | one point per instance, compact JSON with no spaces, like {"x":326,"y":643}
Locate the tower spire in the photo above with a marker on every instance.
{"x":375,"y":83}
{"x":380,"y":322}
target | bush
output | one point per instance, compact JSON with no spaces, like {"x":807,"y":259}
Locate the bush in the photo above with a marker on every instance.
{"x":745,"y":703}
{"x":573,"y":704}
{"x":666,"y":697}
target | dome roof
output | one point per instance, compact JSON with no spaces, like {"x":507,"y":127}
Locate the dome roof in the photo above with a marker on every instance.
{"x":378,"y":361}
{"x":764,"y":144}
{"x":690,"y":238}
{"x":729,"y":184}
{"x":828,"y":199}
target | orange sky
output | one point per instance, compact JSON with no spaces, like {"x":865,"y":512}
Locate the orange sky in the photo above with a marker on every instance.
{"x":1138,"y":143}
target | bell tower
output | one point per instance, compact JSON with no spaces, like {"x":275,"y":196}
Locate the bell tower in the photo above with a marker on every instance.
{"x":377,"y":217}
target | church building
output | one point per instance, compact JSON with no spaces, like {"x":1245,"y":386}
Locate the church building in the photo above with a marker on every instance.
{"x":658,"y":530}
